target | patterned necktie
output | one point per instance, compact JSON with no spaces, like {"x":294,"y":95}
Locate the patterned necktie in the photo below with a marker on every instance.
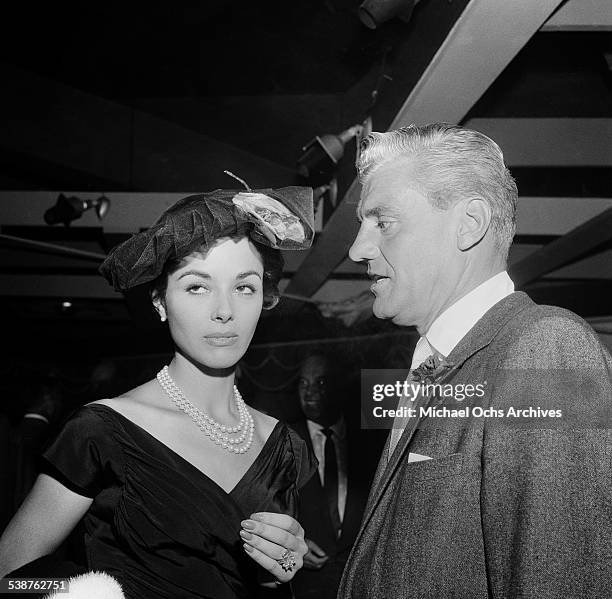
{"x":330,"y":479}
{"x":422,"y":353}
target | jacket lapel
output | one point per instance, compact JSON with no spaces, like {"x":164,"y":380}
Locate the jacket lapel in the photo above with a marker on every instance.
{"x":480,"y":336}
{"x":380,"y":470}
{"x":388,"y":464}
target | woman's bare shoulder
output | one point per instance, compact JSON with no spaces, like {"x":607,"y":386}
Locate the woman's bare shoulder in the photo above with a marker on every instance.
{"x":263,"y":422}
{"x":144,"y":397}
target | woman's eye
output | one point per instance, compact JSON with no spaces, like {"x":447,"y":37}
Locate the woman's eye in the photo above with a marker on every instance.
{"x":246,"y":289}
{"x":197,"y":289}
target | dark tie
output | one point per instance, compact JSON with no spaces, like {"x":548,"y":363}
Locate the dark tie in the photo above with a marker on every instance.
{"x":330,"y":479}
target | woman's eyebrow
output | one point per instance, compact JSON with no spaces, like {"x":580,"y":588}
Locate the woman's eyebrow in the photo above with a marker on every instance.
{"x":205,"y":275}
{"x":248,"y":273}
{"x":197,"y":273}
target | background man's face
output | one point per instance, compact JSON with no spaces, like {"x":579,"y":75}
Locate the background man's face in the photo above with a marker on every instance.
{"x":313,"y":388}
{"x":408,"y":245}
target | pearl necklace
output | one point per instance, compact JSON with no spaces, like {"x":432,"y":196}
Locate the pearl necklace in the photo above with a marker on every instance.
{"x":217,"y":432}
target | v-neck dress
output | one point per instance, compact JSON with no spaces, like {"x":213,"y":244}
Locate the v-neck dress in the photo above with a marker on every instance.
{"x":157,"y":523}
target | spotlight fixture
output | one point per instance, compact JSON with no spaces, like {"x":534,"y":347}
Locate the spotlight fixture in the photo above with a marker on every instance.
{"x":325,"y":200}
{"x":321,"y":155}
{"x":374,"y":13}
{"x":67,"y":209}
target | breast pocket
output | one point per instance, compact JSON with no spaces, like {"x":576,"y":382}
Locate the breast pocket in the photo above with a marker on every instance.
{"x":450,"y":465}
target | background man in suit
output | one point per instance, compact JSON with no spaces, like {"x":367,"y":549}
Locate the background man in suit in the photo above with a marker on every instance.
{"x":331,"y":504}
{"x":477,"y":507}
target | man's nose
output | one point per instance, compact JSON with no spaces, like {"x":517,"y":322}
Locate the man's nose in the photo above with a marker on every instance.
{"x":222,"y":310}
{"x":364,"y":246}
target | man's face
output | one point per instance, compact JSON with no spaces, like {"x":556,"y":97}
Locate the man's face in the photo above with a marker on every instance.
{"x":313,"y":388}
{"x":408,"y":245}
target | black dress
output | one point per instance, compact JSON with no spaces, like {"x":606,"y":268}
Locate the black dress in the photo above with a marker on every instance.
{"x":157,"y":523}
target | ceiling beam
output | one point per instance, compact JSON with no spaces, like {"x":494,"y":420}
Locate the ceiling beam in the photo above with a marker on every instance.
{"x":581,"y":15}
{"x":60,"y":286}
{"x":556,"y":216}
{"x":485,"y":38}
{"x":550,"y":142}
{"x":483,"y":41}
{"x":129,"y":211}
{"x":569,"y":248}
{"x":595,"y":264}
{"x":47,"y":124}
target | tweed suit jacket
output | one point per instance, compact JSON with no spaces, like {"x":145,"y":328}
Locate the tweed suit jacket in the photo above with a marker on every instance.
{"x":500,"y":511}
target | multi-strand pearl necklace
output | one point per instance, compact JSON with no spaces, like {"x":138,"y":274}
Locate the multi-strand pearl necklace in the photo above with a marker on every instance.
{"x":219,"y":433}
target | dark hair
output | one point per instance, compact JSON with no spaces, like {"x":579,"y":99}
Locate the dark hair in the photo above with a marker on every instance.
{"x":272,"y":271}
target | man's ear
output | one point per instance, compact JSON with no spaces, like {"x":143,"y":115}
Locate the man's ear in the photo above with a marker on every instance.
{"x":159,"y":306}
{"x":475,"y":218}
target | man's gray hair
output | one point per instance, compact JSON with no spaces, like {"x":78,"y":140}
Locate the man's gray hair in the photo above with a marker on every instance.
{"x":452,"y":163}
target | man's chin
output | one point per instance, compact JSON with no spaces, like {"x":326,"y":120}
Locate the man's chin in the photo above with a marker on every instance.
{"x":313,"y":415}
{"x":386,"y":312}
{"x":381,"y":311}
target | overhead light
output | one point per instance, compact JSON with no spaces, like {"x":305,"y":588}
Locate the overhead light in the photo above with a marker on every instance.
{"x":67,"y":209}
{"x":374,"y":13}
{"x":321,"y":155}
{"x":67,"y":308}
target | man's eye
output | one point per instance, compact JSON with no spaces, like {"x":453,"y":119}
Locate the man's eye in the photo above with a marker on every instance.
{"x":383,"y":225}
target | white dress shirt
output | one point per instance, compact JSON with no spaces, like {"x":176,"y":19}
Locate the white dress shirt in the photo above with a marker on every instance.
{"x":318,"y":444}
{"x":451,"y":326}
{"x":455,"y":322}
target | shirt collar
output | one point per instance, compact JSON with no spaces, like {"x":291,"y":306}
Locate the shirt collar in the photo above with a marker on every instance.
{"x":339,"y":428}
{"x":455,"y":322}
{"x":421,"y":353}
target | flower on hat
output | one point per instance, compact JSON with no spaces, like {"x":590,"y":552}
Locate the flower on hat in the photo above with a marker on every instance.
{"x":272,"y":218}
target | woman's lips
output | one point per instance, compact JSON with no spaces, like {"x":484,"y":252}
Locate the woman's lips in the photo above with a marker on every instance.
{"x":221,"y":340}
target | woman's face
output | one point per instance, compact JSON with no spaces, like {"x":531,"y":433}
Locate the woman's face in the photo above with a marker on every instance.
{"x":213,"y":302}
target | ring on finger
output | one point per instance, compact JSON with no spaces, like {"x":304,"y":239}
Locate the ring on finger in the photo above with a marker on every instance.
{"x":287,"y":561}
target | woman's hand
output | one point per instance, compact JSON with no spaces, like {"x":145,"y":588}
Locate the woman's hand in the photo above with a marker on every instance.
{"x":275,"y":542}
